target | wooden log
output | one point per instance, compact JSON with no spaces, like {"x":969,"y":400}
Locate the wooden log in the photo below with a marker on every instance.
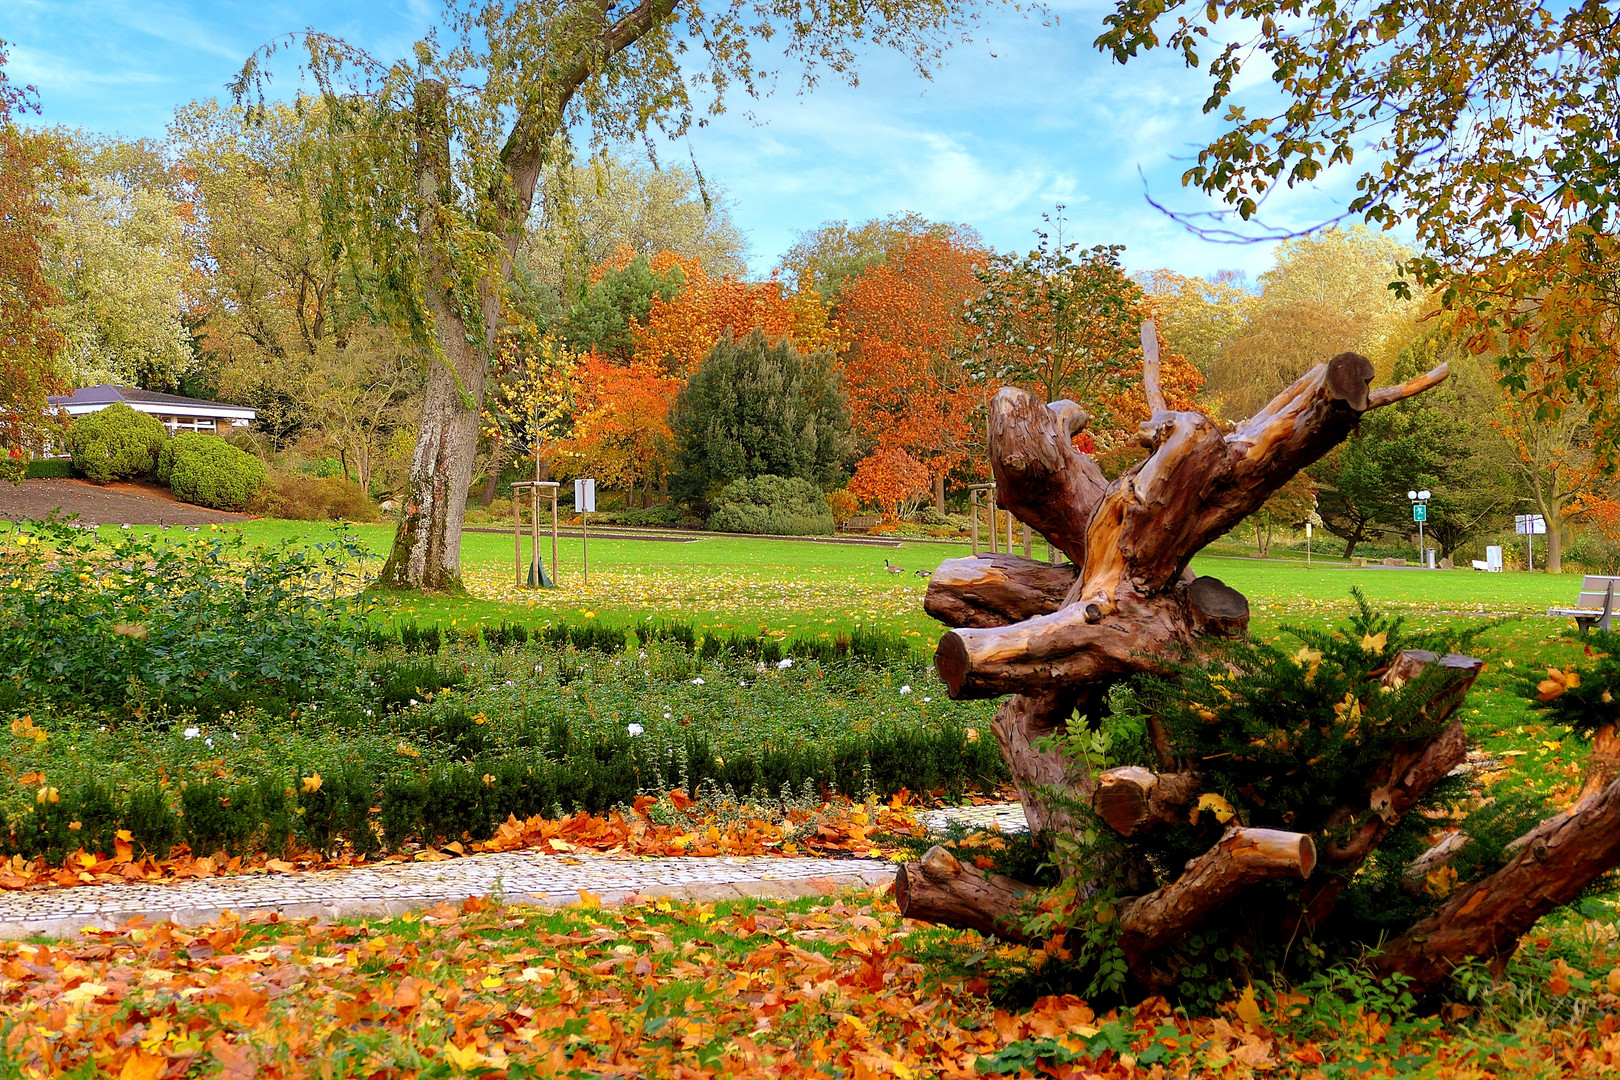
{"x":1217,"y":609}
{"x":1558,"y":859}
{"x":996,"y":590}
{"x":1041,"y":478}
{"x":1603,"y":764}
{"x":1241,"y":859}
{"x":1022,"y":722}
{"x":940,"y":888}
{"x":1197,"y":484}
{"x":1131,"y":799}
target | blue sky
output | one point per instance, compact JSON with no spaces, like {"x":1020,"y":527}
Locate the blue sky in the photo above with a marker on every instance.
{"x":1024,"y":118}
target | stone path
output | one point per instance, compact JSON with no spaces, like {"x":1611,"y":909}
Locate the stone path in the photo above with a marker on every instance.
{"x":520,"y":877}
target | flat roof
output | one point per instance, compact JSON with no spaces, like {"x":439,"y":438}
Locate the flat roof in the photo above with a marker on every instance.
{"x":93,"y":398}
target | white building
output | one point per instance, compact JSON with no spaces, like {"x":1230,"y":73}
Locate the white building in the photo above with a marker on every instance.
{"x":176,"y":413}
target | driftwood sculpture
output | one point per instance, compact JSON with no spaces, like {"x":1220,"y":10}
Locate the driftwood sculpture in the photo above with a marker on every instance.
{"x":1057,"y":637}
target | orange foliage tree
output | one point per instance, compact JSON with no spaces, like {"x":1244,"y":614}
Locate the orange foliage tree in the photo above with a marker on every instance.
{"x":678,"y":333}
{"x":892,"y":479}
{"x":909,"y":391}
{"x":621,"y":424}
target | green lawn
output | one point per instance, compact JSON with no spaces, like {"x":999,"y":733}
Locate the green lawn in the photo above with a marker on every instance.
{"x":745,"y":583}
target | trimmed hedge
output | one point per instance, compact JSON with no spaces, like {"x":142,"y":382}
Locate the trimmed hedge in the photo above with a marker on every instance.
{"x":115,"y":443}
{"x":772,"y":505}
{"x":48,"y":469}
{"x":468,"y":799}
{"x":208,"y":471}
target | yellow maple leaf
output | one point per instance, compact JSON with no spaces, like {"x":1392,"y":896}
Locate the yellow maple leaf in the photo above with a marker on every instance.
{"x":464,"y":1058}
{"x":1247,"y":1009}
{"x":1374,"y":643}
{"x":1211,"y":801}
{"x":312,"y":783}
{"x":143,"y":1066}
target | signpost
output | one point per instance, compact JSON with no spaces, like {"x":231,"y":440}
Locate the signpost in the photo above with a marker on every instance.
{"x":585,"y":503}
{"x":1527,"y":526}
{"x":1420,"y":514}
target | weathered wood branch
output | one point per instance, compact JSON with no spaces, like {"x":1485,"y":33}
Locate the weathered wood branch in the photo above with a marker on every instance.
{"x":1557,"y":860}
{"x":1241,"y":859}
{"x":940,"y":888}
{"x":1041,"y":478}
{"x":1603,"y":765}
{"x":1023,"y":721}
{"x":996,"y":590}
{"x":1151,"y":387}
{"x":1133,"y":544}
{"x":1449,"y":846}
{"x":1131,"y":799}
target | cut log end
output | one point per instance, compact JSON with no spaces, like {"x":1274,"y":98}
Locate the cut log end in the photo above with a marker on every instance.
{"x":951,"y":661}
{"x":1217,"y":609}
{"x":940,"y":888}
{"x":1349,"y":376}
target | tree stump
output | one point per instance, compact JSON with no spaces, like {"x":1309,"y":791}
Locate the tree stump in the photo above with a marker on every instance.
{"x":1055,"y":637}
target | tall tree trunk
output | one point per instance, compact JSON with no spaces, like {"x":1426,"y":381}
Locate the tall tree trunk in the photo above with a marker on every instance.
{"x":488,"y":497}
{"x":939,"y":493}
{"x":427,"y":547}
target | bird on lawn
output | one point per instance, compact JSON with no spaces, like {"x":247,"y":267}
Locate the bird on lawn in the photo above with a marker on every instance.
{"x":924,"y":573}
{"x":892,"y":568}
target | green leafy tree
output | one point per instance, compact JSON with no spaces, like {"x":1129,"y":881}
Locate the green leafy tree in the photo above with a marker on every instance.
{"x":442,"y":154}
{"x":825,"y":259}
{"x":756,"y":409}
{"x":1487,"y":130}
{"x":601,"y":321}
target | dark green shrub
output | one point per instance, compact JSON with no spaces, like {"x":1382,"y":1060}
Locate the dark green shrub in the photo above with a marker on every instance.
{"x":208,"y":471}
{"x":115,"y":443}
{"x":399,"y":683}
{"x":772,"y":505}
{"x":151,"y":821}
{"x":48,"y":469}
{"x":752,"y":409}
{"x":415,"y":639}
{"x":680,"y":633}
{"x":506,"y":636}
{"x":216,"y":816}
{"x":650,"y":517}
{"x":338,"y":809}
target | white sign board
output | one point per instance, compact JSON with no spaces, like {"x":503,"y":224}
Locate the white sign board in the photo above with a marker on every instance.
{"x":585,"y":496}
{"x":1529,"y":524}
{"x":1493,"y":558}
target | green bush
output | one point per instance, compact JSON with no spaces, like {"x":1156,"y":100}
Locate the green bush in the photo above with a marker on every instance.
{"x":48,"y":469}
{"x":306,"y":498}
{"x":208,"y":471}
{"x":772,"y":505}
{"x":649,"y":517}
{"x":115,"y":443}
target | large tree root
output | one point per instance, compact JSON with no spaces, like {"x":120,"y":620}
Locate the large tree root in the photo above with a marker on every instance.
{"x":1557,"y":860}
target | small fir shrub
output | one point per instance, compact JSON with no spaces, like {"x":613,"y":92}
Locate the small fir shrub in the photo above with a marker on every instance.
{"x":48,"y":469}
{"x":208,"y":471}
{"x":115,"y":443}
{"x":772,"y":505}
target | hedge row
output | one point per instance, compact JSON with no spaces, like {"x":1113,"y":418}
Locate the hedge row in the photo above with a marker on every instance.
{"x":273,"y":812}
{"x":878,"y":648}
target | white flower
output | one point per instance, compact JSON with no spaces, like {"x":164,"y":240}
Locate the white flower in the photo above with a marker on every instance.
{"x":760,"y":667}
{"x":666,"y":716}
{"x":413,"y":701}
{"x":926,"y":700}
{"x":634,"y":729}
{"x":743,"y":683}
{"x":906,"y":689}
{"x":235,"y":737}
{"x":209,"y":743}
{"x":192,"y":732}
{"x":368,"y":712}
{"x":784,"y":663}
{"x":698,"y":681}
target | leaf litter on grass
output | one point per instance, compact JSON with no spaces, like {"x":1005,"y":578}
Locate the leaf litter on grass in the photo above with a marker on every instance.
{"x":827,"y":987}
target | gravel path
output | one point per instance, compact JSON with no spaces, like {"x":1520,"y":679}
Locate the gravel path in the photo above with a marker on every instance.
{"x":110,"y":504}
{"x":522,"y":877}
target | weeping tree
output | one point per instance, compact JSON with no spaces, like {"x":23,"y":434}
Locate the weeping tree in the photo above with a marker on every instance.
{"x":1240,"y":796}
{"x":439,"y":158}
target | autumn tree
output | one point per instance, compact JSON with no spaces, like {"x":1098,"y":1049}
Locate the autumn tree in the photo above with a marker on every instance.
{"x":1199,"y":317}
{"x":594,"y":209}
{"x":1555,"y":465}
{"x":621,"y":434}
{"x":1063,"y":322}
{"x":121,"y":263}
{"x":680,"y":331}
{"x":289,"y":314}
{"x":758,"y":409}
{"x":1486,"y":130}
{"x":909,"y":390}
{"x":829,"y":257}
{"x":446,"y":150}
{"x":530,"y":406}
{"x":891,"y":479}
{"x":30,"y":341}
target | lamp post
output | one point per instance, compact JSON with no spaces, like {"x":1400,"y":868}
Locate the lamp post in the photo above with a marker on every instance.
{"x":1420,"y":514}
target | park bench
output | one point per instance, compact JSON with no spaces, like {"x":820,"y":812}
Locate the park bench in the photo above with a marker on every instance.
{"x":865,"y":523}
{"x":1595,"y":606}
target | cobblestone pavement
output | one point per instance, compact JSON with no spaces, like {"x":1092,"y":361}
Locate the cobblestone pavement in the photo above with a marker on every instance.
{"x":1008,"y":817}
{"x":522,"y":877}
